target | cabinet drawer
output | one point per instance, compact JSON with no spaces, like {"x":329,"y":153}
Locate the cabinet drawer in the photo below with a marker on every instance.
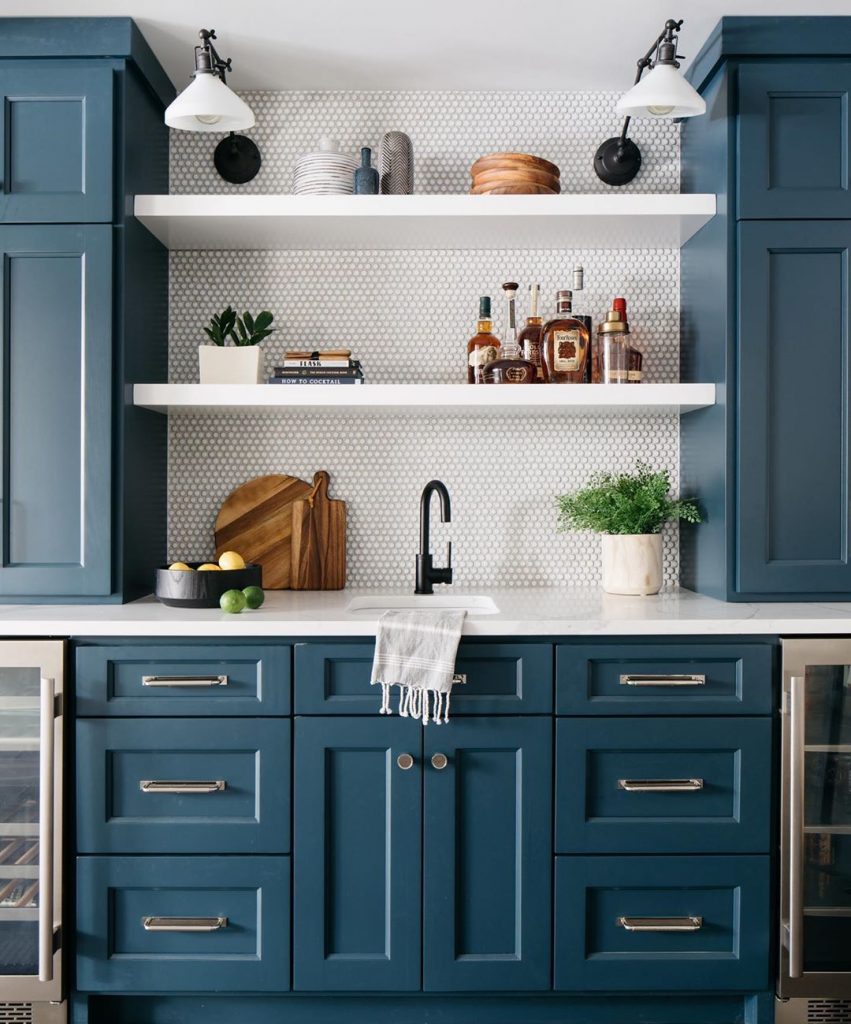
{"x":232,"y":924}
{"x":719,"y":907}
{"x":664,"y":679}
{"x":500,"y":679}
{"x":185,"y":679}
{"x":168,"y":785}
{"x":666,"y":785}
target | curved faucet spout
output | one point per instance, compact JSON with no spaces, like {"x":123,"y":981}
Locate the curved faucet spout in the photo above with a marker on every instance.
{"x":427,"y":574}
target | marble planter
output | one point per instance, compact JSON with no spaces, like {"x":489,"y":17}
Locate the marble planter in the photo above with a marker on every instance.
{"x":632,"y":563}
{"x":230,"y":364}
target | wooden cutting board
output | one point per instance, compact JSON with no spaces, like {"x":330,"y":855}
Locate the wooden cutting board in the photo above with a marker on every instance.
{"x":319,"y":539}
{"x":257,"y":520}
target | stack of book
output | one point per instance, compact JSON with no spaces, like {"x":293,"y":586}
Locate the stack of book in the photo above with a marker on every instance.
{"x":330,"y":366}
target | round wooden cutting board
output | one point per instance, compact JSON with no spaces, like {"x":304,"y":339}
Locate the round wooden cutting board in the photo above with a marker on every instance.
{"x":257,"y":521}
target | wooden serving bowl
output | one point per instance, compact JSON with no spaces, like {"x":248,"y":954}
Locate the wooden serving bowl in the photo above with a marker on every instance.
{"x":504,"y":176}
{"x":513,"y":161}
{"x":181,"y":589}
{"x":527,"y":189}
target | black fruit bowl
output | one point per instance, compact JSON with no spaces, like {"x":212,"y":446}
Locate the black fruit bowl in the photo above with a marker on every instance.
{"x":181,"y":589}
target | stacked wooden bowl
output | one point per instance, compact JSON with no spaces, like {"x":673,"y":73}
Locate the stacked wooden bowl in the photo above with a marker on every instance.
{"x":514,"y":174}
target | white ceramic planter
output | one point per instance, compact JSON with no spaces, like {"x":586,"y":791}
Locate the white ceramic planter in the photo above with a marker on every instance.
{"x":632,"y":563}
{"x":230,"y":364}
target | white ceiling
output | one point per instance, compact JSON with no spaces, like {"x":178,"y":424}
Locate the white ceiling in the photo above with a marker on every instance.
{"x":421,"y":44}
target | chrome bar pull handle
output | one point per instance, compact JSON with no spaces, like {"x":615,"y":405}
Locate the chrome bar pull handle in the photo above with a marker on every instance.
{"x":181,"y":786}
{"x":678,"y":679}
{"x":660,"y":924}
{"x":184,"y":924}
{"x":660,"y":785}
{"x":184,"y":681}
{"x":459,"y":679}
{"x":796,"y":826}
{"x":46,"y":811}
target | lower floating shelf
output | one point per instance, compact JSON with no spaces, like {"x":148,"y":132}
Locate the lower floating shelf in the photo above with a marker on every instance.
{"x":462,"y":399}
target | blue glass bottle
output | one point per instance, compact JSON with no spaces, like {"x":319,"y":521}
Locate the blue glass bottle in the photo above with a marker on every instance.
{"x":366,"y":176}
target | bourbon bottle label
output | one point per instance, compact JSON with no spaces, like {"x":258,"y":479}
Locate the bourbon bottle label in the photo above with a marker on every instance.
{"x":566,"y":351}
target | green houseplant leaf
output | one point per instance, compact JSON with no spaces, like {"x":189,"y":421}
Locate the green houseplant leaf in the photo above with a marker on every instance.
{"x":625,"y":503}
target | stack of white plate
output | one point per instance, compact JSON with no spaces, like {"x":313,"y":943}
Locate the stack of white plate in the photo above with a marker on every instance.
{"x":326,"y":172}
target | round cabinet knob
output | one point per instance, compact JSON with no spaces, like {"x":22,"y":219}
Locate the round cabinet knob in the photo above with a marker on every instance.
{"x":405,"y":761}
{"x":439,"y":761}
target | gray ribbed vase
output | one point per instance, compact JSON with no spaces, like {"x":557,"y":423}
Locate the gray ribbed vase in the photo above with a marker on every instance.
{"x":396,"y":164}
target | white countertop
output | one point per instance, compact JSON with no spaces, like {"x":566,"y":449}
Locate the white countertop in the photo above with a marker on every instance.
{"x":522,"y":612}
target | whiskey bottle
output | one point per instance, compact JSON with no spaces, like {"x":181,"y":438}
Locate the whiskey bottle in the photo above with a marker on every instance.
{"x":483,"y":347}
{"x":510,"y":368}
{"x":566,"y":343}
{"x":529,"y":339}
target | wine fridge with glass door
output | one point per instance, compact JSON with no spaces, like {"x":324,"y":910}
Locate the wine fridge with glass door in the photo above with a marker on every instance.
{"x":814,"y":977}
{"x":31,"y":695}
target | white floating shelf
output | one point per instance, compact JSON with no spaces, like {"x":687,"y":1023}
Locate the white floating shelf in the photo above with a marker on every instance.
{"x":461,"y":399}
{"x":570,"y":221}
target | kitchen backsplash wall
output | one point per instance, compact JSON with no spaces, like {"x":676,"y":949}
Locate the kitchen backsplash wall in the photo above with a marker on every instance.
{"x":407,"y":315}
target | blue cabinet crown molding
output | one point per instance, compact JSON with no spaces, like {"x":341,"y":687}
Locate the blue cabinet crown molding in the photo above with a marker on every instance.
{"x":85,"y":37}
{"x":788,"y":36}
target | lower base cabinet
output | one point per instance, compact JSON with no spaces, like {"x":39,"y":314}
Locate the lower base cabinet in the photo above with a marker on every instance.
{"x":638,"y":924}
{"x":422,"y":858}
{"x":183,"y":924}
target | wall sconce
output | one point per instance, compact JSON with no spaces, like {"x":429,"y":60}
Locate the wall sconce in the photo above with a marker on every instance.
{"x":663,"y":94}
{"x":208,"y":105}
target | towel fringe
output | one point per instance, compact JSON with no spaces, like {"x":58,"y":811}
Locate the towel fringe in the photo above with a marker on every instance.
{"x":414,"y":703}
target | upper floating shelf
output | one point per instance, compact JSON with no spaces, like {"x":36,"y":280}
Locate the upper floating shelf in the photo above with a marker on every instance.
{"x":567,"y":221}
{"x":461,"y":399}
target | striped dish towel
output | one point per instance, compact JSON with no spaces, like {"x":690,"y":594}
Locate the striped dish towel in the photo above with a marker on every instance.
{"x":415,"y":651}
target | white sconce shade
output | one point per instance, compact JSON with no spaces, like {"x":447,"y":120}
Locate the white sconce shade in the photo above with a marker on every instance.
{"x":663,"y":93}
{"x":208,"y":105}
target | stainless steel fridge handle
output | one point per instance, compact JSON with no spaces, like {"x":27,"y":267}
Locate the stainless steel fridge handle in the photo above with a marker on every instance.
{"x":796,"y":826}
{"x":46,"y":810}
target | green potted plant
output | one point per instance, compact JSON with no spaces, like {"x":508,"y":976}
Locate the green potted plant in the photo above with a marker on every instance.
{"x":629,"y":511}
{"x":240,"y":362}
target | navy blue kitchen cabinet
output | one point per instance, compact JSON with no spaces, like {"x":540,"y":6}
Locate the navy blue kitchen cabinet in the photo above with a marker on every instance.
{"x":487,"y":840}
{"x":56,"y":345}
{"x":357,"y":854}
{"x":56,"y":142}
{"x":764,"y":312}
{"x":84,"y":294}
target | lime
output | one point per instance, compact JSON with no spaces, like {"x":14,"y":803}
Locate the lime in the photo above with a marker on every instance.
{"x":232,"y":601}
{"x":254,"y":596}
{"x":231,"y":560}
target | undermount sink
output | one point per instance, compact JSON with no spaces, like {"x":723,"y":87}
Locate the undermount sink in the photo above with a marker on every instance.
{"x":472,"y":604}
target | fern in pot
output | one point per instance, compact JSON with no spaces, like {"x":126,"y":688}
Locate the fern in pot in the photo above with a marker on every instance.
{"x":241,"y":361}
{"x":629,"y":511}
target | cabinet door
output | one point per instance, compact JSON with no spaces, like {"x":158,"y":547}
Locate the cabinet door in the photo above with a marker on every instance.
{"x":793,"y":408}
{"x":357,"y":855}
{"x":55,"y":410}
{"x":794,"y":140}
{"x":487,"y":860}
{"x":55,"y":143}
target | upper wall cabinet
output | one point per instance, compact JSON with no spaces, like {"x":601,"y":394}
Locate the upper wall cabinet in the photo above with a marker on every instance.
{"x":56,"y":147}
{"x":794,"y":138}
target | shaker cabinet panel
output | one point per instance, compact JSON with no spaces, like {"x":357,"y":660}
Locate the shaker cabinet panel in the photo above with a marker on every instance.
{"x":357,"y":854}
{"x":794,"y":139}
{"x":487,"y":858}
{"x":55,"y":410}
{"x":793,"y":409}
{"x":56,"y":140}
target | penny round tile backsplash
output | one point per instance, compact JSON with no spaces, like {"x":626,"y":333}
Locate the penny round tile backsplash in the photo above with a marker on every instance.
{"x":407,"y":315}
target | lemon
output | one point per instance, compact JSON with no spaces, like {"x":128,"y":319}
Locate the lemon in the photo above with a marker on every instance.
{"x":254,"y":596}
{"x":232,"y":601}
{"x":209,"y":567}
{"x":180,"y":566}
{"x":231,"y":560}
